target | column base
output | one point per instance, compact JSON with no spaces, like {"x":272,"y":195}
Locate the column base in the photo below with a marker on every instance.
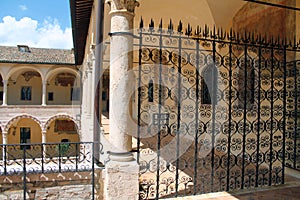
{"x":121,"y":180}
{"x":120,"y":156}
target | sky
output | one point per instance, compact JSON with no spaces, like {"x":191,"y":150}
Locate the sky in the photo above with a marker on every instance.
{"x":36,"y":23}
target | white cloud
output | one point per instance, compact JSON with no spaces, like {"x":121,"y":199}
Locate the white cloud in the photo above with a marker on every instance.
{"x":29,"y":32}
{"x":22,"y":7}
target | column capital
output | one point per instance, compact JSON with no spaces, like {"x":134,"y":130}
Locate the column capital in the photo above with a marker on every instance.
{"x":5,"y":82}
{"x":123,"y":5}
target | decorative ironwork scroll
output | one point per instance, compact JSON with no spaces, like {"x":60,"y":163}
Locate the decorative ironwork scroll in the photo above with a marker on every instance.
{"x":233,"y":139}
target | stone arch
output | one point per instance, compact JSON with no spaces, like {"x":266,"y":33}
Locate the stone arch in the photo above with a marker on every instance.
{"x":17,"y":71}
{"x":59,"y":116}
{"x":56,"y":71}
{"x":10,"y":122}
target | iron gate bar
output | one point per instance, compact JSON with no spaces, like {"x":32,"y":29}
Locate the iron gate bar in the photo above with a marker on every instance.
{"x":261,"y":124}
{"x":272,"y":115}
{"x":42,"y":154}
{"x":284,"y":114}
{"x":245,"y":111}
{"x":258,"y":115}
{"x":5,"y":159}
{"x":214,"y":101}
{"x":93,"y":171}
{"x":196,"y":118}
{"x":159,"y":112}
{"x":139,"y":91}
{"x":295,"y":113}
{"x":229,"y":120}
{"x":178,"y":109}
{"x":24,"y":171}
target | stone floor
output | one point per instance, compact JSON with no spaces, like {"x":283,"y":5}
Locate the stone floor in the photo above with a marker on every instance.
{"x":289,"y":191}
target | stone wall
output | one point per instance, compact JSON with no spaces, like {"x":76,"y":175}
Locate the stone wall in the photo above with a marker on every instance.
{"x":268,"y":21}
{"x":69,"y":185}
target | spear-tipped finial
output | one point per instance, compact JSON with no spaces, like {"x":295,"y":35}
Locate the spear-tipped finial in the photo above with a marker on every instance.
{"x":141,"y":23}
{"x":179,"y":29}
{"x":160,"y":26}
{"x":198,"y":31}
{"x":189,"y":30}
{"x":206,"y":31}
{"x":151,"y":25}
{"x":170,"y":27}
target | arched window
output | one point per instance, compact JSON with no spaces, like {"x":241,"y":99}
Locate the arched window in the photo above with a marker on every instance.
{"x":209,"y":85}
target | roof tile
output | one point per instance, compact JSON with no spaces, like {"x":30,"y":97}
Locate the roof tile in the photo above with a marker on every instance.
{"x":9,"y":54}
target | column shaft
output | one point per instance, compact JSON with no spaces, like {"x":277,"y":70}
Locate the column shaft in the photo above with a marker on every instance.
{"x":4,"y":103}
{"x":120,"y":80}
{"x":44,"y":93}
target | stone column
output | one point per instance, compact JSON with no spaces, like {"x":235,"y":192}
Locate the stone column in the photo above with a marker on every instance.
{"x":44,"y":140}
{"x":122,"y":171}
{"x":44,"y":93}
{"x":121,"y":58}
{"x":4,"y":103}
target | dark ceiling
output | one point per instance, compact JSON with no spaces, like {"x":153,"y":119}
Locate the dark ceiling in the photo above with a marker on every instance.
{"x":80,"y":16}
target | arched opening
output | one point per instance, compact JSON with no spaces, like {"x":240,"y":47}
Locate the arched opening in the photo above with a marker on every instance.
{"x":24,"y":130}
{"x":25,"y":88}
{"x":28,"y":133}
{"x":63,"y":131}
{"x":62,"y":128}
{"x":63,"y":88}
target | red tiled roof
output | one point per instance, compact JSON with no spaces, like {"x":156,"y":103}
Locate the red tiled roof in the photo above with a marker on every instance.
{"x":9,"y":54}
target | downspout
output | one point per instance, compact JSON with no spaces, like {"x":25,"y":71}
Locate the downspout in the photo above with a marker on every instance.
{"x":98,"y":76}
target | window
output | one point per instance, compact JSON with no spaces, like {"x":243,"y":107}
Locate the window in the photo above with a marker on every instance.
{"x":26,"y":93}
{"x":50,"y":96}
{"x":25,"y":137}
{"x":1,"y":95}
{"x":65,"y":140}
{"x":23,"y":48}
{"x":209,"y":85}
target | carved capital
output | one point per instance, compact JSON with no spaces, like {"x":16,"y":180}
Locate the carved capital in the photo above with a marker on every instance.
{"x":123,"y":5}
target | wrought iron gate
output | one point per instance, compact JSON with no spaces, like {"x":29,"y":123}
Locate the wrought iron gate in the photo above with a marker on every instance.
{"x":214,"y":110}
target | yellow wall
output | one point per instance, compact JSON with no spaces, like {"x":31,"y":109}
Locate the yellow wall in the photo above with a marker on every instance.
{"x":35,"y":131}
{"x":61,"y":94}
{"x":14,"y":91}
{"x":53,"y":136}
